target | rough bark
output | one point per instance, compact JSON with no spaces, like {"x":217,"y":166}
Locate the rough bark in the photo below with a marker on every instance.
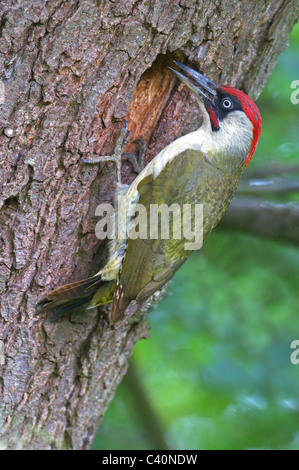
{"x":71,"y":70}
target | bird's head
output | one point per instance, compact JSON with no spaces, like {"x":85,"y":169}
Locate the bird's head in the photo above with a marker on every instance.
{"x":228,"y":113}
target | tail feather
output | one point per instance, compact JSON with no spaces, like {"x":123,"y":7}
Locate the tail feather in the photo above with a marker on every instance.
{"x":75,"y":289}
{"x":70,"y":296}
{"x":57,"y":312}
{"x":120,"y":303}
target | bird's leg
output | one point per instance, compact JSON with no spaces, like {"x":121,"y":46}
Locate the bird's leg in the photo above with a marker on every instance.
{"x":116,"y":157}
{"x":137,"y":162}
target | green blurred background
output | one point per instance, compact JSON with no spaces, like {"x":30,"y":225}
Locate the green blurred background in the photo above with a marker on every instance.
{"x":215,"y":372}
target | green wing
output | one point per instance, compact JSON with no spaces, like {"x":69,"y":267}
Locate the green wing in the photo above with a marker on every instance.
{"x":150,"y":263}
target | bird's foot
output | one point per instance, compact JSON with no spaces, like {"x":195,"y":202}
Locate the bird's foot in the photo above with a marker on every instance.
{"x":137,"y":162}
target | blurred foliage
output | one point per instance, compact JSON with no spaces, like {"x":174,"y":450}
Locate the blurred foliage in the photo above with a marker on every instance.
{"x":217,"y":364}
{"x":279,"y":139}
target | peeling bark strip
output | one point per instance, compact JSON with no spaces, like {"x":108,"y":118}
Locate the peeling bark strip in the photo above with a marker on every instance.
{"x":71,"y":69}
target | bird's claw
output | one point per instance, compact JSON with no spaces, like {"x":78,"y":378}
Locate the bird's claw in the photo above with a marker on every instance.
{"x":122,"y":140}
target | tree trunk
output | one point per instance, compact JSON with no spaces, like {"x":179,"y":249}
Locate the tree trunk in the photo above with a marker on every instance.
{"x":71,"y":70}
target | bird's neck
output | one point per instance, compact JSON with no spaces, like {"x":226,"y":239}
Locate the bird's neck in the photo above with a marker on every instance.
{"x":231,"y":144}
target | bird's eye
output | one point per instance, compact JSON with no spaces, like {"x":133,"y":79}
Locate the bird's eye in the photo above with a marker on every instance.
{"x":227,"y":103}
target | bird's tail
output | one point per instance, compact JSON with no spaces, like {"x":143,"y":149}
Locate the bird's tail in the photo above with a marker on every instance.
{"x":120,"y":303}
{"x":70,"y":296}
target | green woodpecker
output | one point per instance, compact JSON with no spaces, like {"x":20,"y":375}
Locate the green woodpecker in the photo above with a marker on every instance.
{"x":203,"y":167}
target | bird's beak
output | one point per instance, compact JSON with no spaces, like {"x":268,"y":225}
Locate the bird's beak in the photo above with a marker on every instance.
{"x":199,"y":79}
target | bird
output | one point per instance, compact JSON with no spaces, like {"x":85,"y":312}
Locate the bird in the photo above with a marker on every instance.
{"x":202,"y":167}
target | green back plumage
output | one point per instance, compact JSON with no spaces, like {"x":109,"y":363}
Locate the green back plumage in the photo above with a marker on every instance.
{"x":150,"y":263}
